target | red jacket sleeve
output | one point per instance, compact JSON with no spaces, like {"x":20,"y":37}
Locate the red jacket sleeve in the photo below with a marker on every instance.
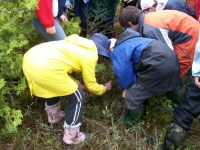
{"x":198,"y":10}
{"x":44,"y":13}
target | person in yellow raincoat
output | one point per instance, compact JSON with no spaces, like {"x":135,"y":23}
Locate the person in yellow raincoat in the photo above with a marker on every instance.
{"x":48,"y":67}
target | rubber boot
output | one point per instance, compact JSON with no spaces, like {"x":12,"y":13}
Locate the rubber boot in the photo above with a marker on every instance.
{"x":72,"y":134}
{"x":54,"y":113}
{"x":174,"y":137}
{"x":175,"y":97}
{"x":133,"y":117}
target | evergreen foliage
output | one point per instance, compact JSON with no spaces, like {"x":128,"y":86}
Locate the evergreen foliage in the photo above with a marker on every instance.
{"x":15,"y":34}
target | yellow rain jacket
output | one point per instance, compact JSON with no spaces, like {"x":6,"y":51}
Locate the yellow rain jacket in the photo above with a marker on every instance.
{"x":48,"y":66}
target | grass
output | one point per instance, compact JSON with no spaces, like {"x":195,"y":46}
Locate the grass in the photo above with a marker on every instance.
{"x":103,"y":119}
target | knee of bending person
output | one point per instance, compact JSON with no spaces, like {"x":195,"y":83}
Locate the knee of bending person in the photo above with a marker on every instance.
{"x":136,"y":96}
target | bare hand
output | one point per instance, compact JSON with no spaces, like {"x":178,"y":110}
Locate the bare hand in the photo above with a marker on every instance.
{"x":108,"y":85}
{"x":63,"y":18}
{"x":124,"y":94}
{"x":51,"y":30}
{"x":197,"y":81}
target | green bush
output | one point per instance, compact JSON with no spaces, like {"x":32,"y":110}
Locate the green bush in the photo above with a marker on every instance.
{"x":72,"y":26}
{"x":15,"y":34}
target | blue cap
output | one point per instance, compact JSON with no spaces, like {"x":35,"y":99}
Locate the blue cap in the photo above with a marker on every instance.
{"x":102,"y":43}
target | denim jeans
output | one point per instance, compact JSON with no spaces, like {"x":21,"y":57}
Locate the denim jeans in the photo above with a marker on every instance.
{"x":59,"y":35}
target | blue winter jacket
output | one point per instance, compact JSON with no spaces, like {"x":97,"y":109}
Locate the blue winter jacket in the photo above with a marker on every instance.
{"x":125,"y":55}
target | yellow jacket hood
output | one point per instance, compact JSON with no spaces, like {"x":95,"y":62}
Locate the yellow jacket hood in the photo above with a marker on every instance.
{"x":82,"y":42}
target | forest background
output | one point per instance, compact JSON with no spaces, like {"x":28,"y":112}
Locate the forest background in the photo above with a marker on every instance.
{"x":23,"y":122}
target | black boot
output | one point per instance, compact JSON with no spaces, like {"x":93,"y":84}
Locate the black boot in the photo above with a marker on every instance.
{"x":174,"y":136}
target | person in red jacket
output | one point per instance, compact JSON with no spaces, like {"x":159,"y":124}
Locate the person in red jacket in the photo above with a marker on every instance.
{"x":49,"y":15}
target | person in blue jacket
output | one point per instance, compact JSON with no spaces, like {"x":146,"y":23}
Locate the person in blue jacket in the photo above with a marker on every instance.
{"x":143,"y":67}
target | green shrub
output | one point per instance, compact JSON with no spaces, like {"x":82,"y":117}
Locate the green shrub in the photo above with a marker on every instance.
{"x":16,"y":32}
{"x":72,"y":26}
